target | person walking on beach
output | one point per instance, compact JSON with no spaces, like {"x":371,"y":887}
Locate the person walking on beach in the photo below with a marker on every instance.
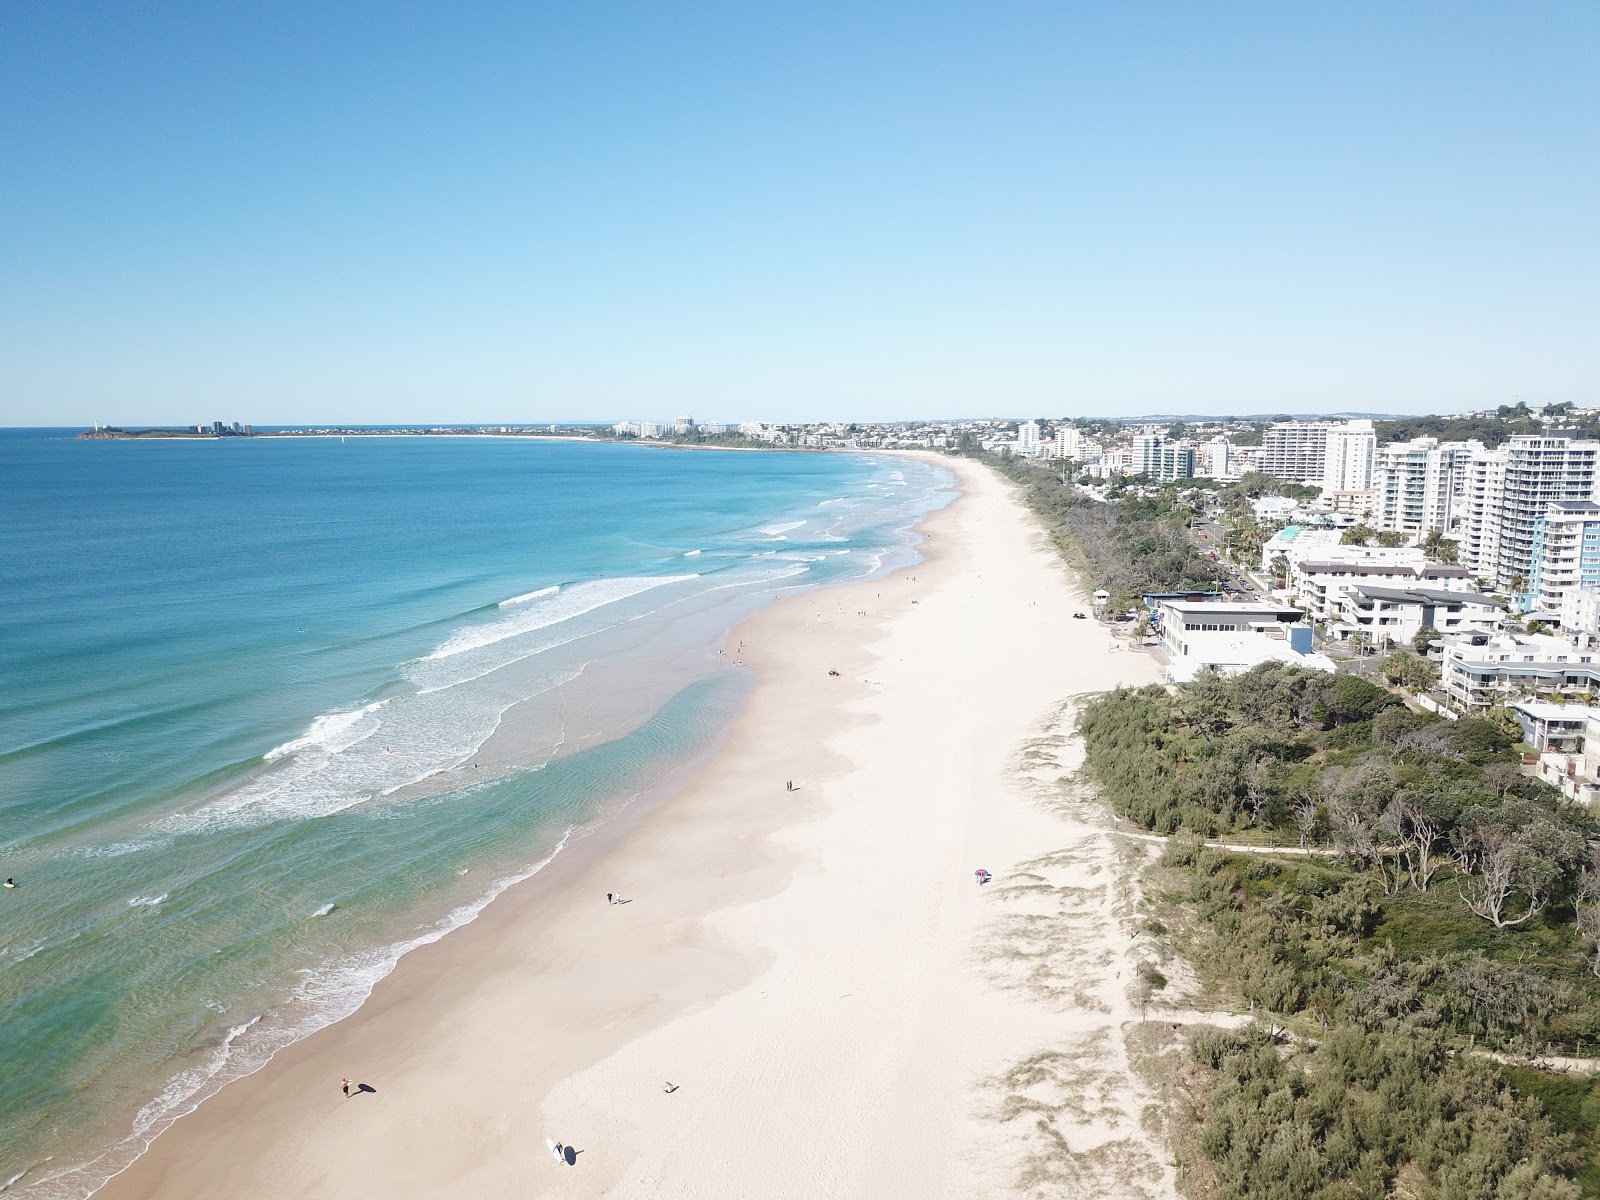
{"x":611,"y":897}
{"x":344,"y":1086}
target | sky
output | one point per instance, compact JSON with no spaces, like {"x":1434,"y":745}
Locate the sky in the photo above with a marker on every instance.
{"x":474,"y":211}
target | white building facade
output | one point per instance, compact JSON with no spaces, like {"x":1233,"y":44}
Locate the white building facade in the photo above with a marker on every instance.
{"x":1566,"y":555}
{"x":1508,"y":490}
{"x":1479,"y":671}
{"x":1416,"y":484}
{"x":1347,"y":457}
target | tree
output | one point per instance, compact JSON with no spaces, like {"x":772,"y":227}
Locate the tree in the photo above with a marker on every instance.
{"x":1511,"y":856}
{"x":1390,"y":538}
{"x":1280,"y":570}
{"x":1358,"y":535}
{"x":1409,"y":670}
{"x":1425,"y":639}
{"x":1417,"y":825}
{"x":1589,"y":917}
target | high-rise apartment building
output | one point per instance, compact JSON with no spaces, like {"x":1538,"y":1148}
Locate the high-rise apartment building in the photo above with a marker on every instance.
{"x":1508,"y":490}
{"x":1172,"y":461}
{"x":1347,"y":457}
{"x":1338,"y":457}
{"x":1416,"y":483}
{"x":1215,"y":459}
{"x":1147,"y":453}
{"x":1566,"y":554}
{"x":1294,"y":450}
{"x":1028,"y":439}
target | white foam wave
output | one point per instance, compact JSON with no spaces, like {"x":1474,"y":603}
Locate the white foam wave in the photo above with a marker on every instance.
{"x":147,"y":901}
{"x":323,"y":911}
{"x":526,"y":596}
{"x":774,"y":530}
{"x":323,"y":997}
{"x":332,"y":732}
{"x":568,"y":603}
{"x":21,"y":955}
{"x":424,"y":735}
{"x":693,"y":553}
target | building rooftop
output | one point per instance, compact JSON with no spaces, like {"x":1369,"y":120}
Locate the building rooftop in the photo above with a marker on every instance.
{"x":1232,"y":608}
{"x":1544,"y":710}
{"x":1424,"y":571}
{"x":1424,"y":596}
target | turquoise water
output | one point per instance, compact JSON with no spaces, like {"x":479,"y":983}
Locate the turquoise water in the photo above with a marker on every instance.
{"x":276,"y":711}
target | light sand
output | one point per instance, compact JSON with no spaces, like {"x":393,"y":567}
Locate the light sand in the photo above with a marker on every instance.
{"x":845,"y":1011}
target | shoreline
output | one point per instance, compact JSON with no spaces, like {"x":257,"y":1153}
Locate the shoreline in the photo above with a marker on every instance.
{"x":467,"y":1038}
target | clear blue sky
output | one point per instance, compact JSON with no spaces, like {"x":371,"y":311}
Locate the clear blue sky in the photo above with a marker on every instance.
{"x":480,"y":211}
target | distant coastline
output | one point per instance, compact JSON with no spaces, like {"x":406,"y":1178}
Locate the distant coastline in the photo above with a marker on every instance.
{"x":570,"y":434}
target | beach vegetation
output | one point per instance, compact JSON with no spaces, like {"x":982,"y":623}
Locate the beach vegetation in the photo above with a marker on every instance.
{"x":1430,"y":906}
{"x":1136,"y":544}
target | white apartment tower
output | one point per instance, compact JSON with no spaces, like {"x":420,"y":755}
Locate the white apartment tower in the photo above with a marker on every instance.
{"x":1347,"y":457}
{"x":1566,"y":557}
{"x":1336,"y":456}
{"x":1218,"y":458}
{"x":1294,"y":450}
{"x":1147,"y":453}
{"x":1028,"y":439}
{"x":1069,"y":442}
{"x":1417,"y":482}
{"x":1508,"y":490}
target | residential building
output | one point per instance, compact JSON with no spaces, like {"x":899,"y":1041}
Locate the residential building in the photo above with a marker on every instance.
{"x":1173,"y":462}
{"x":1320,"y":586}
{"x":1273,"y":508}
{"x":1337,"y":456}
{"x":1416,"y":483}
{"x":1215,"y":459}
{"x":1566,"y":554}
{"x":1358,"y":504}
{"x":1071,"y":444}
{"x":1567,"y":737}
{"x":1294,"y":450}
{"x":1394,"y":616}
{"x":1580,"y":614}
{"x":1028,"y":439}
{"x":1508,"y":490}
{"x":1297,"y":543}
{"x":1347,"y":457}
{"x":1146,"y":452}
{"x":1479,"y":669}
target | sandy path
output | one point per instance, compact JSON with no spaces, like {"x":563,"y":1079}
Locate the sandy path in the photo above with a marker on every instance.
{"x":845,"y":1012}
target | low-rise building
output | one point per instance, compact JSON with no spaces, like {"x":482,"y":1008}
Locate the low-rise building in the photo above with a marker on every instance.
{"x":1567,"y":737}
{"x":1200,"y":635}
{"x":1481,"y":669}
{"x":1320,"y":586}
{"x":1394,"y":616}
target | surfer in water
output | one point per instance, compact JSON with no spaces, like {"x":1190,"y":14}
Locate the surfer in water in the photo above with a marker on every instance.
{"x":10,"y":882}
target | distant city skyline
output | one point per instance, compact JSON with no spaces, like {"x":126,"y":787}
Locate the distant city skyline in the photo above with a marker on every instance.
{"x":492,"y":213}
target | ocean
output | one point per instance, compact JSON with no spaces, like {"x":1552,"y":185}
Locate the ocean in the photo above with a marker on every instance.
{"x":276,"y":711}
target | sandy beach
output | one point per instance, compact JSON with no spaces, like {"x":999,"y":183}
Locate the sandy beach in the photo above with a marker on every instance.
{"x":843,"y":1010}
